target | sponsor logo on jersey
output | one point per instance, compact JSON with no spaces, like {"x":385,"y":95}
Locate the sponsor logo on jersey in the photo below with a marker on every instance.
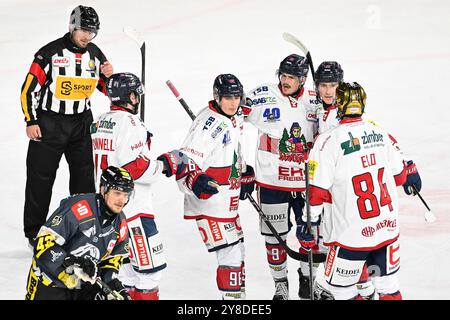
{"x":111,"y":245}
{"x":312,"y":92}
{"x":234,"y":203}
{"x":370,"y":231}
{"x":372,"y":139}
{"x":312,"y":116}
{"x":89,"y":232}
{"x":290,"y":174}
{"x":81,"y":210}
{"x":351,"y":145}
{"x":138,"y":145}
{"x":141,"y":248}
{"x":260,"y":90}
{"x":193,"y":152}
{"x":313,"y":101}
{"x":123,"y":230}
{"x":264,"y":100}
{"x":330,"y":260}
{"x":226,"y":138}
{"x":74,"y":88}
{"x":312,"y":167}
{"x":208,"y":123}
{"x":61,"y":62}
{"x":215,"y":230}
{"x":219,"y":129}
{"x":347,"y":273}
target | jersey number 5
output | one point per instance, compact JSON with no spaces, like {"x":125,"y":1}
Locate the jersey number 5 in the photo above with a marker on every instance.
{"x":364,"y":188}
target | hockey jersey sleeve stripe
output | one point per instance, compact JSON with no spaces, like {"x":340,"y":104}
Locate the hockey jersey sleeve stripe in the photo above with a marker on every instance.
{"x":400,"y":178}
{"x":37,"y":71}
{"x":138,"y":166}
{"x":318,"y":196}
{"x":221,"y":175}
{"x":25,"y":97}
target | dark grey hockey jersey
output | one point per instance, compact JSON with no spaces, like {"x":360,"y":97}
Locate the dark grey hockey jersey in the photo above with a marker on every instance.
{"x":80,"y":226}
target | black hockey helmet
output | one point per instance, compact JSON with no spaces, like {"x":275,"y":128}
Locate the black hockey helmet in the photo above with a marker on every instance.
{"x":329,"y":71}
{"x":294,"y":65}
{"x":85,"y":18}
{"x":350,"y":99}
{"x":120,"y":86}
{"x":117,"y":178}
{"x":227,"y":85}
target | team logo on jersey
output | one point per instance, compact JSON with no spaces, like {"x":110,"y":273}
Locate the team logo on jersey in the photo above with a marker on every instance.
{"x":61,"y":62}
{"x":293,"y":145}
{"x":235,"y":174}
{"x":351,"y":145}
{"x":56,"y":221}
{"x":312,"y":167}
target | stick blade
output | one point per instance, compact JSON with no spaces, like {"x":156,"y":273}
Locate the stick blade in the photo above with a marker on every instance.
{"x":292,"y":39}
{"x":429,"y":217}
{"x":134,"y":34}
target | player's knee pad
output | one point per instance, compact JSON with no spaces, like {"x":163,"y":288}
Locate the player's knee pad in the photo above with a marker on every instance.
{"x":146,"y":249}
{"x":218,"y":234}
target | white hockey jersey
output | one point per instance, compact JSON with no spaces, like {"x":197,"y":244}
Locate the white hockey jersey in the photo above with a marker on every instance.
{"x":286,"y":130}
{"x":214,"y":143}
{"x":356,"y":168}
{"x":120,"y":138}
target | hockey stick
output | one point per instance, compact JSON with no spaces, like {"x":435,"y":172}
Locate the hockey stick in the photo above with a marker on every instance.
{"x":293,"y":254}
{"x":308,"y":224}
{"x":429,"y":216}
{"x":133,"y":34}
{"x":180,"y":99}
{"x":291,"y":39}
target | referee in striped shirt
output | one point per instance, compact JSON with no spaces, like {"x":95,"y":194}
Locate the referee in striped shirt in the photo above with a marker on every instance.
{"x":55,"y":101}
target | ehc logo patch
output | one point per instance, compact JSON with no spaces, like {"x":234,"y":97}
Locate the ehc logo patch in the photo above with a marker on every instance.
{"x":81,"y":210}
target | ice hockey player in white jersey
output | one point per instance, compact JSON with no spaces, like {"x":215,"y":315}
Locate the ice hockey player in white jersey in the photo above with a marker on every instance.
{"x":356,"y":168}
{"x":214,"y":143}
{"x":120,"y":138}
{"x":328,"y":76}
{"x":285,"y":116}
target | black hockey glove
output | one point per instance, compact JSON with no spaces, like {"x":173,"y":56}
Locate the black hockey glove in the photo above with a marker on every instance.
{"x":117,"y":286}
{"x":201,"y":184}
{"x":247,"y":182}
{"x":175,"y":162}
{"x":412,"y":179}
{"x":86,"y":264}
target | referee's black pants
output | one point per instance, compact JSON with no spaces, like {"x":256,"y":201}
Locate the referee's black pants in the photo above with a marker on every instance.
{"x":61,"y":134}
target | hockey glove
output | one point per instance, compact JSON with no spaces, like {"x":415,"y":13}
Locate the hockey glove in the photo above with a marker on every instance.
{"x":174,"y":162}
{"x":412,"y":179}
{"x":201,"y":184}
{"x":117,"y":286}
{"x":306,"y":239}
{"x":247,"y":182}
{"x":83,"y":267}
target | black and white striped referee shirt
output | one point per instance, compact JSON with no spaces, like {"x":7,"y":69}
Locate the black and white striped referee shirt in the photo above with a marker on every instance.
{"x":61,"y":79}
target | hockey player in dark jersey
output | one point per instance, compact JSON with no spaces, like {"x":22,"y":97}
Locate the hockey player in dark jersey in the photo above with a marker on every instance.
{"x":55,"y":99}
{"x":84,"y":239}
